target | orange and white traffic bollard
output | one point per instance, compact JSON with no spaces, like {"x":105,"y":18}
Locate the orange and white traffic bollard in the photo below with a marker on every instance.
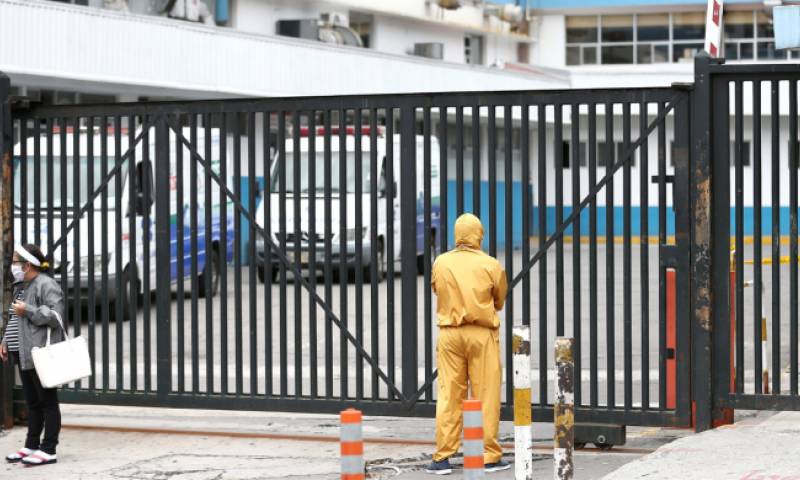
{"x":473,"y":439}
{"x":352,"y":445}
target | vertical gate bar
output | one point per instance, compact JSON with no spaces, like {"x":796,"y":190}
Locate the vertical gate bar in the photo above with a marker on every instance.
{"x":180,"y":254}
{"x":223,"y":252}
{"x":776,"y":235}
{"x":644,"y":245}
{"x":427,"y":245}
{"x":147,"y":187}
{"x":326,"y":146}
{"x":251,"y":250}
{"x":37,"y":170}
{"x":662,"y":272}
{"x":575,"y":163}
{"x":443,"y":181}
{"x":792,"y":237}
{"x":237,"y":252}
{"x":51,"y":201}
{"x":282,"y":238}
{"x":681,"y":195}
{"x":508,"y":180}
{"x":193,"y":249}
{"x":297,"y":221}
{"x":492,"y":127}
{"x":359,"y":259}
{"x":721,"y":228}
{"x":103,"y":248}
{"x":312,"y":250}
{"x":610,"y":274}
{"x":459,"y":160}
{"x":739,"y":186}
{"x":269,"y":278}
{"x":408,"y":242}
{"x":76,"y":212}
{"x":147,"y":235}
{"x":163,"y":290}
{"x":541,"y":134}
{"x":374,"y":273}
{"x":757,"y":239}
{"x":558,"y":148}
{"x":593,"y":258}
{"x":133,"y":266}
{"x":476,"y":160}
{"x":359,"y":241}
{"x":527,"y":199}
{"x":343,"y":281}
{"x":119,"y":303}
{"x":7,"y":226}
{"x":37,"y":193}
{"x":702,"y":301}
{"x":208,"y":253}
{"x":391,"y":202}
{"x":23,"y":180}
{"x":297,"y":176}
{"x":626,"y":255}
{"x":90,"y":184}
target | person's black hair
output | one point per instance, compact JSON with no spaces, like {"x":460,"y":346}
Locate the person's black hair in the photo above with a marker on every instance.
{"x":37,"y":252}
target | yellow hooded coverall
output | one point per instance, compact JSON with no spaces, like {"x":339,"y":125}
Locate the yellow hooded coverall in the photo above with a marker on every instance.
{"x":471,"y":287}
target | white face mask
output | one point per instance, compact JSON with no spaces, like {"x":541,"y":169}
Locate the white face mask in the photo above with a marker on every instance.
{"x":17,"y":273}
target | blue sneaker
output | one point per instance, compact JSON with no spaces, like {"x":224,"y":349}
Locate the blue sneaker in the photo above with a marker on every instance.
{"x":442,"y":467}
{"x":496,"y":466}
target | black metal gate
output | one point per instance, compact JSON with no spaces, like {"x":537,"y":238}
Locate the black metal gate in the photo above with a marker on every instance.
{"x":753,"y":145}
{"x":163,"y":217}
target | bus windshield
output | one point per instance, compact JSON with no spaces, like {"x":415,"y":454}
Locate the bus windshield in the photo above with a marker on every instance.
{"x":37,"y":177}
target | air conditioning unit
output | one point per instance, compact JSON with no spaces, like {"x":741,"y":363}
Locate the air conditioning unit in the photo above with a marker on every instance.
{"x":336,"y":19}
{"x":429,"y":50}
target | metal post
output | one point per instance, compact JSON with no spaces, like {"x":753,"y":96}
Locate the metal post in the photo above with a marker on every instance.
{"x":564,"y":409}
{"x":702,"y":288}
{"x":162,"y":233}
{"x":521,"y":347}
{"x":408,"y":249}
{"x":7,"y":243}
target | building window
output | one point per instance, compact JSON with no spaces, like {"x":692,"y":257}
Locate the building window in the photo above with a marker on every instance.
{"x":362,"y":25}
{"x":473,"y":49}
{"x":666,"y":38}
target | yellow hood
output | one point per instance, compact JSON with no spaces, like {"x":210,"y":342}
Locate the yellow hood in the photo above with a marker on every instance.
{"x":469,"y":231}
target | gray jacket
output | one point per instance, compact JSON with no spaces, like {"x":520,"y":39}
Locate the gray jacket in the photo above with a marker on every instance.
{"x":42,"y":296}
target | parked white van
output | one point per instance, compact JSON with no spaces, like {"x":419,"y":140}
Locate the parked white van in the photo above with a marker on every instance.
{"x":119,"y":207}
{"x":265,"y":256}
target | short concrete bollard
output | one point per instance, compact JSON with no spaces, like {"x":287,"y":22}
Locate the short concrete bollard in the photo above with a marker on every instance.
{"x":473,"y":439}
{"x":564,"y":409}
{"x":523,"y":440}
{"x":352,"y":445}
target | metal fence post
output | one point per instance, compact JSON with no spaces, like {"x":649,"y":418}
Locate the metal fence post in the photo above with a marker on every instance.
{"x":564,"y":409}
{"x":7,"y":242}
{"x":163,"y":261}
{"x":702,"y":293}
{"x":408,"y":250}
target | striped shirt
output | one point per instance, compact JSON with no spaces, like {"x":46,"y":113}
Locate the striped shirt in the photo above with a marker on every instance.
{"x":12,"y":331}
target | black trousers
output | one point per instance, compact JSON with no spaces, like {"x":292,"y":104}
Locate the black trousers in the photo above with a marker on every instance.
{"x":44,"y":413}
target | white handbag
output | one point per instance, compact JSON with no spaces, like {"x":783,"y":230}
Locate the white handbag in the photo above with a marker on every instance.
{"x":63,"y":362}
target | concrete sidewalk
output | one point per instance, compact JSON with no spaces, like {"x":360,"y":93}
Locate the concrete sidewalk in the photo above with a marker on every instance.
{"x":101,"y":443}
{"x":763,"y":446}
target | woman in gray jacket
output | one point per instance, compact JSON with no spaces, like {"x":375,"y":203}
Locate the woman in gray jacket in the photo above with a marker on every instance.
{"x":38,"y":306}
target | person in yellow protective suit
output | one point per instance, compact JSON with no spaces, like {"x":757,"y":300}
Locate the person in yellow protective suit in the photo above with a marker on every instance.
{"x":471,"y":288}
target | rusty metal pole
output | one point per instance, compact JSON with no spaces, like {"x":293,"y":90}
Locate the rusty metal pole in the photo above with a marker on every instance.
{"x":564,"y":409}
{"x":6,"y":242}
{"x":523,"y":439}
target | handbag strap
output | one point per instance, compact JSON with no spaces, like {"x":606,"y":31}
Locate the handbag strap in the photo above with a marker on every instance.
{"x":58,"y":317}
